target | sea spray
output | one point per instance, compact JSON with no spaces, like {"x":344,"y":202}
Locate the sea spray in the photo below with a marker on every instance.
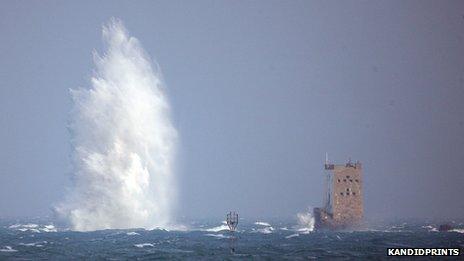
{"x":305,"y":221}
{"x":123,"y":142}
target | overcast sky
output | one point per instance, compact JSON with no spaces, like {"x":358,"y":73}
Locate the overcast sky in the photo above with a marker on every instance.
{"x":260,"y":90}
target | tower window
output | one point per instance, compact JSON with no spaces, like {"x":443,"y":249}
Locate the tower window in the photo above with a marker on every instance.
{"x":344,"y":180}
{"x":341,"y":193}
{"x":347,"y":193}
{"x":338,"y":180}
{"x":356,"y":180}
{"x":354,"y":193}
{"x":347,"y":176}
{"x":351,"y":180}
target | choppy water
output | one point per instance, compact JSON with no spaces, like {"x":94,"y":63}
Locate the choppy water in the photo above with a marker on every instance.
{"x":209,"y":240}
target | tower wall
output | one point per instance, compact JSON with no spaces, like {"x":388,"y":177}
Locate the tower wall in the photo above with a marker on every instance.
{"x":347,"y":193}
{"x":343,"y":203}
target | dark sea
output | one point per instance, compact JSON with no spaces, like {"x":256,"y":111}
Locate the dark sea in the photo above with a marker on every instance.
{"x":41,"y":240}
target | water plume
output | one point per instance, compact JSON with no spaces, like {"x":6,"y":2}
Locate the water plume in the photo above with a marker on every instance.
{"x":305,"y":221}
{"x":123,"y":142}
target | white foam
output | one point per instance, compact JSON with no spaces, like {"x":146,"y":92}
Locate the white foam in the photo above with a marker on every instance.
{"x":28,"y":244}
{"x":132,"y":233}
{"x":8,"y":249}
{"x":218,"y":228}
{"x":305,"y":221}
{"x":265,"y":230}
{"x":304,"y":230}
{"x":216,"y":235}
{"x":458,"y":230}
{"x":35,"y":244}
{"x":292,"y":235}
{"x":260,"y":223}
{"x":144,"y":245}
{"x":14,"y":226}
{"x":49,"y":228}
{"x":35,"y":228}
{"x":30,"y":225}
{"x":430,"y":228}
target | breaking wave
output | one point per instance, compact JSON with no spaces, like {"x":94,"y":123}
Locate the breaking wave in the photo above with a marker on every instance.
{"x":305,"y":221}
{"x":30,"y":227}
{"x":292,"y":235}
{"x":263,"y":227}
{"x":217,"y":235}
{"x":217,"y":229}
{"x":144,"y":245}
{"x":123,"y":142}
{"x":8,"y":249}
{"x":260,"y":223}
{"x":265,"y":230}
{"x":457,"y":230}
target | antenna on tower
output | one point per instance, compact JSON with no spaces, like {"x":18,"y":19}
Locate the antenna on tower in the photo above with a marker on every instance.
{"x":326,"y":158}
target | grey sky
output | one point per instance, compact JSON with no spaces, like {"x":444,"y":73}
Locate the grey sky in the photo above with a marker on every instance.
{"x":260,"y":90}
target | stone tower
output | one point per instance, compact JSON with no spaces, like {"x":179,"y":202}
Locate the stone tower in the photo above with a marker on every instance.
{"x":343,"y":200}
